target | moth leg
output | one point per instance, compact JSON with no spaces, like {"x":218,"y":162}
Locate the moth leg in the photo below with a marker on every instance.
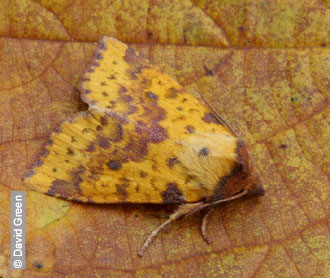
{"x":204,"y":226}
{"x":207,"y":215}
{"x":182,"y":211}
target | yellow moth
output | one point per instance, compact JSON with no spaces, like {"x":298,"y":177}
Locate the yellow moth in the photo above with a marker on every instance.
{"x":143,"y":139}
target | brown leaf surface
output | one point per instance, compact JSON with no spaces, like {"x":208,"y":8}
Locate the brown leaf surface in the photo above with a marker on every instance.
{"x":264,"y":65}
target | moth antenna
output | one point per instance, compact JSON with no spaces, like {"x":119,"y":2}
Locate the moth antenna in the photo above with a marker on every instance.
{"x":220,"y":119}
{"x":239,"y":195}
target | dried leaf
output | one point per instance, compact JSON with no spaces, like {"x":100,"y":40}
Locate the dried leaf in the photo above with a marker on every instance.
{"x":266,"y":72}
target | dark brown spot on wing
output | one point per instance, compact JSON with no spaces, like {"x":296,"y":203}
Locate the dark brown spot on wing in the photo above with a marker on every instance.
{"x":152,"y":112}
{"x":135,"y":149}
{"x":172,"y":195}
{"x":116,"y":126}
{"x":103,"y":142}
{"x":190,"y":129}
{"x":104,"y":120}
{"x":153,"y":133}
{"x":70,"y":151}
{"x":121,"y":190}
{"x":85,"y":130}
{"x":210,"y":118}
{"x":113,"y":104}
{"x":68,"y":188}
{"x":126,"y":98}
{"x":172,"y":92}
{"x":91,"y":148}
{"x":172,"y":161}
{"x":151,"y":95}
{"x":114,"y":165}
{"x":203,"y":152}
{"x":143,"y":174}
{"x":122,"y":90}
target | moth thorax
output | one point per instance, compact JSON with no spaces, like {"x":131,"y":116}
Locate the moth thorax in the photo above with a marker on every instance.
{"x":209,"y":157}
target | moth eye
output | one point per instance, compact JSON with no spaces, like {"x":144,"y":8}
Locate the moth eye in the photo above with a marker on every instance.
{"x":203,"y":152}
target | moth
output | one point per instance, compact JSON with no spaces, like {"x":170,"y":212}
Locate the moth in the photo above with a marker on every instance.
{"x":143,"y":139}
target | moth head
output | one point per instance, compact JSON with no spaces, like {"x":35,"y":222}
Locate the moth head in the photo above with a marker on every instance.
{"x":220,"y":163}
{"x":241,"y":178}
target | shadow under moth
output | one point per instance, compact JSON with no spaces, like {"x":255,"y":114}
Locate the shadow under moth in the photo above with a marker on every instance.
{"x":143,"y":139}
